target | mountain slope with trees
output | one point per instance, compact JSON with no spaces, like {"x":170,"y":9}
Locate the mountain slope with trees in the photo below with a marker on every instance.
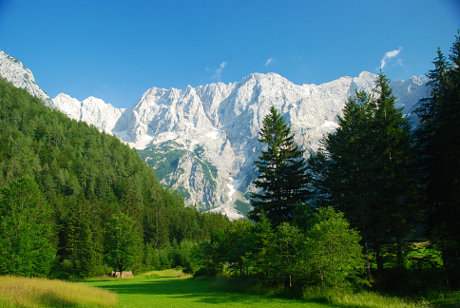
{"x":84,"y":179}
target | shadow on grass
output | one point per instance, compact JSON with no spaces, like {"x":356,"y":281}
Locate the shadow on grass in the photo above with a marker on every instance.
{"x":193,"y":289}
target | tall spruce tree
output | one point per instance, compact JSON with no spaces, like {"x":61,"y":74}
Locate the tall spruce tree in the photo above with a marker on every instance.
{"x":342,"y":171}
{"x":438,"y":140}
{"x":394,"y":162}
{"x":364,"y":169}
{"x":282,"y":172}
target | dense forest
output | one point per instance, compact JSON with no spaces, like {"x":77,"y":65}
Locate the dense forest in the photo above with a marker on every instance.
{"x":64,"y":188}
{"x":376,"y":205}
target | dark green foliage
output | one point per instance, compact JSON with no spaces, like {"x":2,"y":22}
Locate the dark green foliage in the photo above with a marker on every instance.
{"x":282,"y":177}
{"x":237,"y":242}
{"x":327,"y":254}
{"x":438,"y":140}
{"x":85,"y":177}
{"x":25,"y":230}
{"x":366,"y":169}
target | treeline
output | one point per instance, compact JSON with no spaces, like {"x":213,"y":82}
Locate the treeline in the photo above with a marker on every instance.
{"x":327,"y":254}
{"x":64,"y":185}
{"x":378,"y":203}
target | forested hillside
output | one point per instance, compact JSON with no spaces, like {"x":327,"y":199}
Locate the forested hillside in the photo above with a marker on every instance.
{"x":65,"y":183}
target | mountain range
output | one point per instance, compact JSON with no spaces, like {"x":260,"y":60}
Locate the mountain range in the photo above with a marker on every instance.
{"x":202,"y":141}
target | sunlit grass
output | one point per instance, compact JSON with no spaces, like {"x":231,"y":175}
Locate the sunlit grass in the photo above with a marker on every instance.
{"x":374,"y":300}
{"x":168,"y":273}
{"x":172,"y":288}
{"x":36,"y":292}
{"x":360,"y":299}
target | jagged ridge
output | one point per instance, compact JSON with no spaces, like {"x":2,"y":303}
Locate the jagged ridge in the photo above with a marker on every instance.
{"x":211,"y":131}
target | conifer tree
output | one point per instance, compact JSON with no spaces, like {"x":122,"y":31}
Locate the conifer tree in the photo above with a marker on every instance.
{"x":365,"y":170}
{"x":438,"y":140}
{"x":25,"y":230}
{"x":282,"y":172}
{"x":394,"y":163}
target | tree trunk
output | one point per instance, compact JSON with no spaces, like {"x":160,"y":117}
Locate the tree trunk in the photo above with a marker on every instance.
{"x":399,"y":256}
{"x":379,"y":259}
{"x":368,"y":263}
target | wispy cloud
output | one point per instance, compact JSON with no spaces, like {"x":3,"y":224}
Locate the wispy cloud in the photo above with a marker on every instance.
{"x":270,"y":61}
{"x":218,"y":71}
{"x":389,"y":55}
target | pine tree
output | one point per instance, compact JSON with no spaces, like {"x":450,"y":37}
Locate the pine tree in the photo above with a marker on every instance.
{"x":80,"y":243}
{"x":25,"y":230}
{"x":365,"y":170}
{"x":282,"y":172}
{"x":394,"y":161}
{"x":438,"y":140}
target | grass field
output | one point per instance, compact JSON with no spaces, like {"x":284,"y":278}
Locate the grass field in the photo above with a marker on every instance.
{"x":35,"y":292}
{"x":174,"y":289}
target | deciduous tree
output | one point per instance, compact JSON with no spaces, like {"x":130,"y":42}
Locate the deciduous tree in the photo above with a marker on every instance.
{"x":122,"y":242}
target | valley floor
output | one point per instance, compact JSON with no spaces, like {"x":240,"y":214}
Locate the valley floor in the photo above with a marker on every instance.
{"x":173,"y":289}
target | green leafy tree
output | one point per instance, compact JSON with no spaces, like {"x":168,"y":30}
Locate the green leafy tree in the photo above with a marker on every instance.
{"x":282,"y":172}
{"x":122,"y":242}
{"x":287,"y":251}
{"x":332,"y":251}
{"x":25,"y":230}
{"x":209,"y":256}
{"x":262,"y":250}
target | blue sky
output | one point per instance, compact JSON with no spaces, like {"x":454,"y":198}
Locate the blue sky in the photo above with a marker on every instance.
{"x":116,"y":50}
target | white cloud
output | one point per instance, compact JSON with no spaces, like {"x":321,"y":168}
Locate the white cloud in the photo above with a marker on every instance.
{"x":389,"y":55}
{"x":219,"y":70}
{"x":270,"y":61}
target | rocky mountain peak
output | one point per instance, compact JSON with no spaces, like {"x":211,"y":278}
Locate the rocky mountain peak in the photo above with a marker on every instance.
{"x":13,"y":70}
{"x":202,"y":141}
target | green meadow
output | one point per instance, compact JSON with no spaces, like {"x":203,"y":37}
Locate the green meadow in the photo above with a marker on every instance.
{"x":173,"y":289}
{"x":39,"y":292}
